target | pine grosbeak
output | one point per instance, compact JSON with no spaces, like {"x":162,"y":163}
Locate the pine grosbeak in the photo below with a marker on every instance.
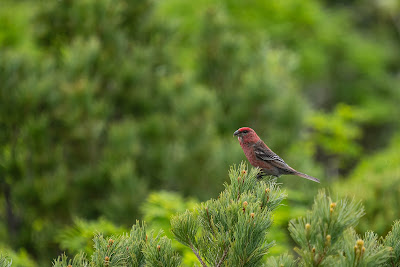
{"x":260,"y":155}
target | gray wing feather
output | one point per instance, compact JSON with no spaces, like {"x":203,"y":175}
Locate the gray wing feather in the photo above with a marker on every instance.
{"x":264,"y":153}
{"x":267,"y":155}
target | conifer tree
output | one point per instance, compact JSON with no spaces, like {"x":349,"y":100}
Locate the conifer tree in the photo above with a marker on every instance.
{"x":326,"y":237}
{"x":232,"y":229}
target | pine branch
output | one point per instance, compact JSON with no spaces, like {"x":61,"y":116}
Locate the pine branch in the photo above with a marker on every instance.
{"x":282,"y":260}
{"x":5,"y":261}
{"x":392,"y":240}
{"x":197,"y":254}
{"x":223,"y":257}
{"x":234,"y":221}
{"x":240,"y":185}
{"x":321,"y":258}
{"x":209,"y":221}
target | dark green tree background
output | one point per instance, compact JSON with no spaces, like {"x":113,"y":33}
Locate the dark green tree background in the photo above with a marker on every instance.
{"x":102,"y":102}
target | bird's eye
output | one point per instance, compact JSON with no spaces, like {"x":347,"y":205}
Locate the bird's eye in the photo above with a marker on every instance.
{"x":245,"y":131}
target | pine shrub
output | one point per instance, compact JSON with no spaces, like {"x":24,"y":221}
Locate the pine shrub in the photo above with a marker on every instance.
{"x":232,"y":230}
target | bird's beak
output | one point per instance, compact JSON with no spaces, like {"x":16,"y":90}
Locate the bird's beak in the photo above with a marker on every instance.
{"x":236,"y":133}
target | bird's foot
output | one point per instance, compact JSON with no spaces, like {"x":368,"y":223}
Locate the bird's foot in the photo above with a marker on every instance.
{"x":261,"y":175}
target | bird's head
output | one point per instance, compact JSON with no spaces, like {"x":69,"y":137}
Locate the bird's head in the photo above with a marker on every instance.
{"x":246,"y":135}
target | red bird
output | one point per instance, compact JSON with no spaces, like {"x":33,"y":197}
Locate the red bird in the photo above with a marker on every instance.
{"x":260,"y":155}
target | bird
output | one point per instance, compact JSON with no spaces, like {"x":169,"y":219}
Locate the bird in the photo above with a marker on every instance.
{"x":260,"y":155}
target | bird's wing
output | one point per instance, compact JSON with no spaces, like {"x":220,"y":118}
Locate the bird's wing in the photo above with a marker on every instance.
{"x":264,"y":153}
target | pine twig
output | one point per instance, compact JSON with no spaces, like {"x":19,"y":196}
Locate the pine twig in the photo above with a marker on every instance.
{"x":322,"y":257}
{"x":197,"y":254}
{"x":209,"y":222}
{"x":240,"y":186}
{"x":223,"y":257}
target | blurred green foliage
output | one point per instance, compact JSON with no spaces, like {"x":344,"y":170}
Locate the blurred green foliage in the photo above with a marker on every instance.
{"x":21,"y":258}
{"x":79,"y":237}
{"x":103,"y":101}
{"x":158,"y":210}
{"x":376,"y":181}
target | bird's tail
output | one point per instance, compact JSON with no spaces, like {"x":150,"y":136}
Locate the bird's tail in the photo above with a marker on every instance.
{"x":307,"y":176}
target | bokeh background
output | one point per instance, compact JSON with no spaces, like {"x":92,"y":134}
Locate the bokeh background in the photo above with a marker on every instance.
{"x":113,"y":111}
